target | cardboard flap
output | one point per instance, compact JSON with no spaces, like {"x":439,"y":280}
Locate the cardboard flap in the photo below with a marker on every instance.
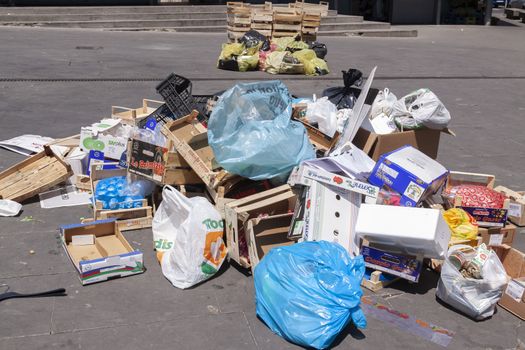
{"x":515,"y":196}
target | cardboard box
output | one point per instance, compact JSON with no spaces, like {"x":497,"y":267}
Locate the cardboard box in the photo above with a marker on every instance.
{"x":410,"y":173}
{"x":97,"y":138}
{"x":485,"y":217}
{"x":513,"y":298}
{"x":104,"y":254}
{"x":414,"y":231}
{"x":266,"y":233}
{"x":425,"y":140}
{"x":404,"y":266}
{"x":128,"y":219}
{"x":496,"y":236}
{"x":516,"y":212}
{"x":279,"y":200}
{"x":161,"y":165}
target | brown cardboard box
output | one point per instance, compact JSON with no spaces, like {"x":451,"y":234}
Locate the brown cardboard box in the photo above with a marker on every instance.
{"x":495,"y":236}
{"x":264,"y":234}
{"x":513,"y":298}
{"x":516,"y":205}
{"x":425,"y":140}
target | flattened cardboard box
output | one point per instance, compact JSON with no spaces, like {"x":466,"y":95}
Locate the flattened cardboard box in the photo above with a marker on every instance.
{"x":111,"y":256}
{"x":513,"y":298}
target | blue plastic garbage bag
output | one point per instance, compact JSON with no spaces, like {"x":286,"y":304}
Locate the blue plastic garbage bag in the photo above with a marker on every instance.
{"x":251,"y":132}
{"x":308,"y":292}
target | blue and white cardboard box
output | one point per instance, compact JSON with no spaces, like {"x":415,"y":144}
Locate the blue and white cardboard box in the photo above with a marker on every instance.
{"x":404,"y":266}
{"x":100,"y":252}
{"x":410,"y":172}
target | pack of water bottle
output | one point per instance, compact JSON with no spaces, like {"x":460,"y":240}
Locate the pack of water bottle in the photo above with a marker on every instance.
{"x":117,"y":193}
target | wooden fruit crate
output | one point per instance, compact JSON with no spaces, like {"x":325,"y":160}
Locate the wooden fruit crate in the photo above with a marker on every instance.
{"x":262,"y":19}
{"x":239,"y":19}
{"x":132,"y":116}
{"x":127,"y":219}
{"x":286,"y":22}
{"x":310,"y":25}
{"x":34,"y":175}
{"x":306,"y":7}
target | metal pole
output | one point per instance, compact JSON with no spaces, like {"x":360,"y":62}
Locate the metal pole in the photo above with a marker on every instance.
{"x":488,"y":12}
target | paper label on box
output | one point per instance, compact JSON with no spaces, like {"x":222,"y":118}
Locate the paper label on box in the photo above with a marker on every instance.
{"x":414,"y":191}
{"x":515,"y":290}
{"x":83,"y":240}
{"x":389,"y":171}
{"x":514,"y":210}
{"x":496,"y":239}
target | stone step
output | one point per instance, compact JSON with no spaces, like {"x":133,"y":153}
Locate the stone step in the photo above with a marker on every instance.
{"x":119,"y":9}
{"x":125,"y":23}
{"x":36,"y":18}
{"x":353,"y":26}
{"x":378,"y":33}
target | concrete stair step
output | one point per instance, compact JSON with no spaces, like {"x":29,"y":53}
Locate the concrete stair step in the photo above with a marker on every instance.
{"x":107,"y":16}
{"x":113,"y":9}
{"x":353,"y":26}
{"x":195,"y":29}
{"x":124,"y":23}
{"x":378,"y":33}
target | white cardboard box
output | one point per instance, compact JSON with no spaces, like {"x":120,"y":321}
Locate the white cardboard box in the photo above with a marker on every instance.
{"x":416,"y":231}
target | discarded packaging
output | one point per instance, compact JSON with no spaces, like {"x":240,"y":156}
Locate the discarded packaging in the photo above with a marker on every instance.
{"x":9,"y":207}
{"x":476,"y":297}
{"x":26,"y":144}
{"x":425,"y":232}
{"x":513,"y":298}
{"x":308,"y":292}
{"x":100,"y":252}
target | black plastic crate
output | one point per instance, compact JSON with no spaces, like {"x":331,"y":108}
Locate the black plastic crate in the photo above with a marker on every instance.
{"x":176,"y":91}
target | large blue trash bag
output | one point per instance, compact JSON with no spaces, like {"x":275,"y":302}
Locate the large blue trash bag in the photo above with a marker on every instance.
{"x":308,"y":292}
{"x":251,"y":133}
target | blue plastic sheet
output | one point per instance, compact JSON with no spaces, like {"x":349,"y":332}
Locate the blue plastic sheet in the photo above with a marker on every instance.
{"x":308,"y":292}
{"x":251,"y":132}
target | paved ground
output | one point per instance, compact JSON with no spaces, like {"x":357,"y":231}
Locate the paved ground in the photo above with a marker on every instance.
{"x":478,"y":72}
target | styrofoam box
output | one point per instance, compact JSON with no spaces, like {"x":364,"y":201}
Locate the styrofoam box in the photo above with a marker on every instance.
{"x":417,"y":231}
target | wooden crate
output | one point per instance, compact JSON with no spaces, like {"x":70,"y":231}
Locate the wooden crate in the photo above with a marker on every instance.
{"x":262,"y":19}
{"x":132,"y":116}
{"x":286,"y":22}
{"x":306,"y":7}
{"x":239,"y":18}
{"x":196,"y":152}
{"x":378,"y":281}
{"x":127,"y":219}
{"x":310,"y":25}
{"x":34,"y":175}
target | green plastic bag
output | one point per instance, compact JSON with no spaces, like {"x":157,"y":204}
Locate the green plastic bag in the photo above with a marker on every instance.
{"x":282,"y":62}
{"x":313,"y":65}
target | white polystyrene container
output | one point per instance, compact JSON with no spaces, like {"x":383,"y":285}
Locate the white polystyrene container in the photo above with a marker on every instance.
{"x":416,"y":231}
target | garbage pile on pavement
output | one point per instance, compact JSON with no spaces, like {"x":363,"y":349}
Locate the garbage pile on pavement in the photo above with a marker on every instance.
{"x":285,"y":55}
{"x":318,"y":197}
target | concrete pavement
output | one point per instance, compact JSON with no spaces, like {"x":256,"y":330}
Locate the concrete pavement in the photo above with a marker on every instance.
{"x":54,"y":81}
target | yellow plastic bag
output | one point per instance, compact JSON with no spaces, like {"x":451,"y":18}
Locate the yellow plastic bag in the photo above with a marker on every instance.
{"x":231,"y":49}
{"x":461,"y":224}
{"x":247,"y":62}
{"x":312,"y":64}
{"x":279,"y":62}
{"x":282,"y":43}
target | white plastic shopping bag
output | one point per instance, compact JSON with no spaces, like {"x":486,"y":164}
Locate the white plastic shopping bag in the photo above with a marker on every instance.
{"x":189,"y":232}
{"x":9,"y":207}
{"x":475,"y":297}
{"x":421,"y":108}
{"x":324,"y":113}
{"x":383,"y":103}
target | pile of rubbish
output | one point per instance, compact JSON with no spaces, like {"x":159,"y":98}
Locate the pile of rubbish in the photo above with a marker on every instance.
{"x":317,"y":197}
{"x":285,"y":55}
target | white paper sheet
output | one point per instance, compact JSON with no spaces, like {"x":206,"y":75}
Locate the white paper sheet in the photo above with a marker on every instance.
{"x":26,"y":144}
{"x":67,"y":196}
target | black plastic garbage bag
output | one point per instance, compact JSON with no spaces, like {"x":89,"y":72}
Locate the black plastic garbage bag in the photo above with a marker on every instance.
{"x":252,"y":38}
{"x":319,"y":48}
{"x":345,"y":96}
{"x":230,"y":64}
